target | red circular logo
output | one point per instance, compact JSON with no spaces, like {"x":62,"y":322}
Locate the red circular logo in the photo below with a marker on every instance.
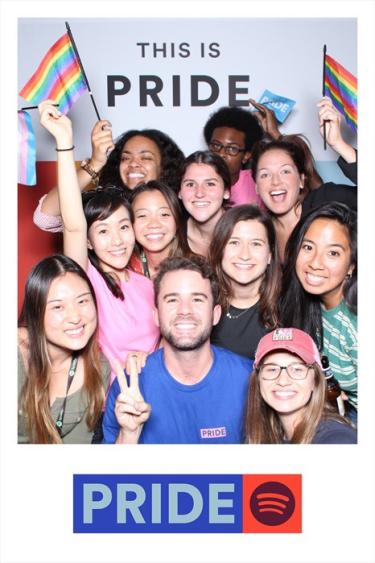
{"x":272,"y":503}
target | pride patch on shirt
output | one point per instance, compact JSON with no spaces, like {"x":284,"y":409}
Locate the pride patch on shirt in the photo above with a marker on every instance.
{"x":213,"y":432}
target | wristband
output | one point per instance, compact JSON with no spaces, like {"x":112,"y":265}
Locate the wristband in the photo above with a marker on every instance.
{"x":63,"y":150}
{"x":87,"y":168}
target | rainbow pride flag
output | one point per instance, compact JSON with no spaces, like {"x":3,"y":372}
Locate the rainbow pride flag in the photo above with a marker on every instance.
{"x":341,"y":86}
{"x":58,"y":77}
{"x":26,"y":150}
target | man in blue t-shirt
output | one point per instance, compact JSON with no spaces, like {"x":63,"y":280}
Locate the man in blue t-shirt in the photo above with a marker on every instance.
{"x":189,"y":392}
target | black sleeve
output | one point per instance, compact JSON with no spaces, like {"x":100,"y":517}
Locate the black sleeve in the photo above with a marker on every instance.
{"x":330,"y":192}
{"x":349,"y":169}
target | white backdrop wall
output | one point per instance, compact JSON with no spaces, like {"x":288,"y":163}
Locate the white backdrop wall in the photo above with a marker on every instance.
{"x":283,"y":55}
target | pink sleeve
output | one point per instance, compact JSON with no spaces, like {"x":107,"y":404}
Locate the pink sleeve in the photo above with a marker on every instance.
{"x":50,"y":223}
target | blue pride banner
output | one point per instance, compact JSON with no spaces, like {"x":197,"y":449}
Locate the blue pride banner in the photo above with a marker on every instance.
{"x":187,"y":504}
{"x":279,"y":104}
{"x":157,"y":503}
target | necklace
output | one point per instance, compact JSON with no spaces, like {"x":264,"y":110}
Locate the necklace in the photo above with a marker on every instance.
{"x":71,"y":374}
{"x":230,"y":316}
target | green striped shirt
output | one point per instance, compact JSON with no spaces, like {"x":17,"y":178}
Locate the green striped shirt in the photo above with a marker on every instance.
{"x":340,"y":345}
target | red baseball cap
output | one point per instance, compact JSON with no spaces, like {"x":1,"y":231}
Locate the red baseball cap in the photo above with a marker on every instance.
{"x":290,"y":339}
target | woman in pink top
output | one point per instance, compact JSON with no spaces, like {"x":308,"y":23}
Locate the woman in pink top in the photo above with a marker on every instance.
{"x":98,"y":234}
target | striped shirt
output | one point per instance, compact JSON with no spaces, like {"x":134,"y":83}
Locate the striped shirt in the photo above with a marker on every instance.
{"x":340,"y":345}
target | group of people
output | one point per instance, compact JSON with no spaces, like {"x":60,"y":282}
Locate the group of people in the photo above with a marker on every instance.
{"x":195,"y":297}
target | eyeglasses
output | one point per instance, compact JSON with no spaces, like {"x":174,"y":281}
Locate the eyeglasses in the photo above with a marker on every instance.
{"x":231,"y":150}
{"x":269,"y":372}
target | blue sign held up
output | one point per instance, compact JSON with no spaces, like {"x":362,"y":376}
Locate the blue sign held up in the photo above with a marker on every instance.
{"x":280,"y":105}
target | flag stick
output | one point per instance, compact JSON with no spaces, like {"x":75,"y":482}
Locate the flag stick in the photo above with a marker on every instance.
{"x":82,"y":69}
{"x":36,"y":107}
{"x":324,"y":93}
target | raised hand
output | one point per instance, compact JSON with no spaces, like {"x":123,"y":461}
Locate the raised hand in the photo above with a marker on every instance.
{"x":56,"y":123}
{"x":329,"y":114}
{"x":131,"y":410}
{"x":267,"y":119}
{"x":332,"y":118}
{"x":102,"y":143}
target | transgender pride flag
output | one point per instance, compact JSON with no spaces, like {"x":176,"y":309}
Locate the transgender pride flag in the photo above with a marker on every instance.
{"x":26,"y":150}
{"x":58,"y":77}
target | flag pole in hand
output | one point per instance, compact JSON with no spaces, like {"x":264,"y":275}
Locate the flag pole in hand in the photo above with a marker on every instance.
{"x":82,"y":69}
{"x":324,"y":93}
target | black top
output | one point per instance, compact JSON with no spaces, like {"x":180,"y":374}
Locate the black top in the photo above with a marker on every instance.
{"x":241,"y":333}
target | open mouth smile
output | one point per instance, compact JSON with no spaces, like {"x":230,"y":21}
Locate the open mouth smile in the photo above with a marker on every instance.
{"x":278,"y":196}
{"x":154,"y":236}
{"x":284,"y":395}
{"x":201,"y":203}
{"x":75,"y":332}
{"x":314,"y":279}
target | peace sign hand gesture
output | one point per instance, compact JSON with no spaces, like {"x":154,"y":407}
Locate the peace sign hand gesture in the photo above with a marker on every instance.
{"x":131,"y":410}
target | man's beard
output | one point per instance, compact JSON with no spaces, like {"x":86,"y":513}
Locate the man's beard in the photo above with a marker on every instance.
{"x":185,"y":343}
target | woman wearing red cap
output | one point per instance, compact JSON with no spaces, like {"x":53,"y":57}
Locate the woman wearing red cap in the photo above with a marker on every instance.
{"x":287,"y":395}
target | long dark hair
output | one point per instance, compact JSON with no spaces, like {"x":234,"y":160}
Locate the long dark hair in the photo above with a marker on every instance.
{"x":99,"y":204}
{"x":297,"y":307}
{"x":34,"y":394}
{"x":180,"y":246}
{"x":270,"y":286}
{"x":171,"y":159}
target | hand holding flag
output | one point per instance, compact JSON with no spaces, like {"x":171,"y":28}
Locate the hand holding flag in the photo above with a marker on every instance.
{"x":330,"y":123}
{"x":329,"y":114}
{"x":56,"y":123}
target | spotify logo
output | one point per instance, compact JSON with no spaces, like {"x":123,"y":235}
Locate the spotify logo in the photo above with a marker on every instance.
{"x":272,"y":503}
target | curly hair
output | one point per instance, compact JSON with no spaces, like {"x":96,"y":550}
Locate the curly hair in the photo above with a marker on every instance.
{"x":236,"y":118}
{"x":172,"y":159}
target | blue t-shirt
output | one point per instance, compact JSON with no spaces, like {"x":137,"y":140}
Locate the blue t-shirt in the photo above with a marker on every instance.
{"x":208,"y":412}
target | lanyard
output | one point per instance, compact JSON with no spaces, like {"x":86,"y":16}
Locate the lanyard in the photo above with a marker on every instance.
{"x":71,"y":374}
{"x":145,"y":265}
